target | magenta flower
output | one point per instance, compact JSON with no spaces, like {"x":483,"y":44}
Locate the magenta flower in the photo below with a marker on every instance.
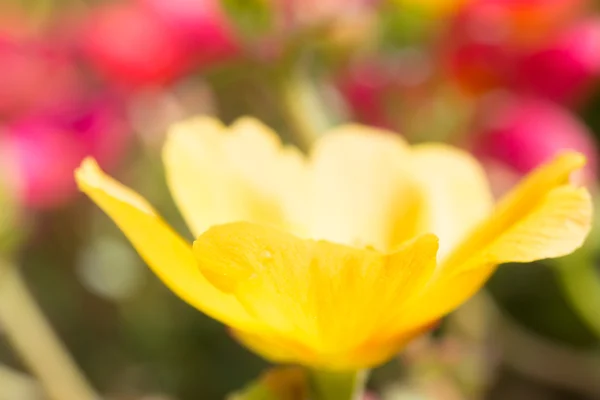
{"x":130,"y":45}
{"x":41,"y":151}
{"x":522,"y":133}
{"x":564,"y":69}
{"x":365,"y":87}
{"x":498,"y":43}
{"x":51,"y":117}
{"x":154,"y":42}
{"x":44,"y":150}
{"x":201,"y":26}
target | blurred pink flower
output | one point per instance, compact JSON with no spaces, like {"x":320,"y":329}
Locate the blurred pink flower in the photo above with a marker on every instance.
{"x":27,"y":63}
{"x":564,"y":69}
{"x":201,"y":25}
{"x":49,"y":117}
{"x":101,"y":124}
{"x":522,"y":133}
{"x":481,"y":67}
{"x":365,"y":87}
{"x":131,"y":45}
{"x":41,"y":151}
{"x":154,"y":42}
{"x":488,"y":41}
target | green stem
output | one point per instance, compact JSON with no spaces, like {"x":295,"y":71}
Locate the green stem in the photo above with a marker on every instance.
{"x":302,"y":106}
{"x":329,"y":385}
{"x":31,"y":336}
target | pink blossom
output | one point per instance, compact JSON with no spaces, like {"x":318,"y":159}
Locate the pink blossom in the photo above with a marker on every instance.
{"x":522,"y":133}
{"x":131,"y":45}
{"x":365,"y":87}
{"x":491,"y":40}
{"x":201,"y":25}
{"x":563,"y":69}
{"x":34,"y":74}
{"x":41,"y":151}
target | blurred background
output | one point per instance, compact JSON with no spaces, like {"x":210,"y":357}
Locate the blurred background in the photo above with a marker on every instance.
{"x":512,"y":81}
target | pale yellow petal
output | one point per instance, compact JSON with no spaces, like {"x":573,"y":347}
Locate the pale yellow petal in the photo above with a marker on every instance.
{"x":457,"y":194}
{"x":544,"y":217}
{"x":242,"y":173}
{"x":362,"y":193}
{"x":313,"y":293}
{"x":191,"y":158}
{"x":169,"y":256}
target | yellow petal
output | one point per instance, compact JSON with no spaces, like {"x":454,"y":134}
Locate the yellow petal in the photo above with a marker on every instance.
{"x":280,"y":349}
{"x":242,"y":173}
{"x":544,"y":217}
{"x":313,"y":293}
{"x":362,"y":194}
{"x":457,"y":195}
{"x":169,"y":256}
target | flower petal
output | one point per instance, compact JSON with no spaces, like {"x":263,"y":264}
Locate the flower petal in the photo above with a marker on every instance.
{"x":279,"y":349}
{"x":242,"y":173}
{"x":457,"y":195}
{"x":312,"y":293}
{"x":169,"y":256}
{"x":362,"y":194}
{"x":544,"y":217}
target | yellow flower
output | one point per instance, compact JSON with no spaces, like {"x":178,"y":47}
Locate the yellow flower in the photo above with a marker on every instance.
{"x":332,"y":260}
